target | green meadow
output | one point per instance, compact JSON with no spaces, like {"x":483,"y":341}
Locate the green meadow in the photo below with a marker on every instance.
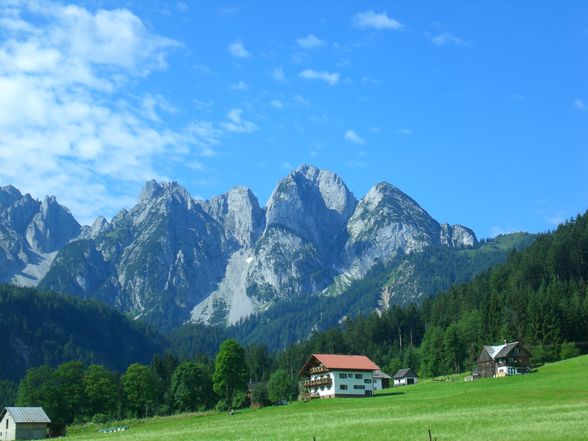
{"x":549,"y":404}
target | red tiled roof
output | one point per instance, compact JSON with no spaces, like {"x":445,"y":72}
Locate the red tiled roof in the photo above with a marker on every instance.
{"x":353,"y":362}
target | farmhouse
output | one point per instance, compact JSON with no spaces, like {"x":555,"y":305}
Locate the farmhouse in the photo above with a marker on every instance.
{"x":381,"y":380}
{"x":502,"y":360}
{"x":405,"y":376}
{"x":23,"y":423}
{"x":333,"y":376}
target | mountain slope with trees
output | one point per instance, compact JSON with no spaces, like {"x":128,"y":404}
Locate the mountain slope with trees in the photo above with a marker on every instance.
{"x":539,"y":296}
{"x":46,"y":328}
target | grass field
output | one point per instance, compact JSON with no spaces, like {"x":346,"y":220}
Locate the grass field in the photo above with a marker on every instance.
{"x":551,"y":404}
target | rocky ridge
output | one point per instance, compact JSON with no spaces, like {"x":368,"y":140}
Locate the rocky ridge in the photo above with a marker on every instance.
{"x":172,"y":258}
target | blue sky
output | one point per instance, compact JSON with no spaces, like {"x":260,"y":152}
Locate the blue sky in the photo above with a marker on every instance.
{"x":478,"y":110}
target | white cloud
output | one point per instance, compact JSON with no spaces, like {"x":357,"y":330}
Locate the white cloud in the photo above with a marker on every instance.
{"x":310,"y":74}
{"x":352,"y":136}
{"x":278,"y":74}
{"x":310,"y":42}
{"x":445,"y":38}
{"x":240,"y":86}
{"x":236,"y":124}
{"x":375,"y":20}
{"x":404,"y":131}
{"x":71,"y":121}
{"x":237,"y":50}
{"x":580,"y":105}
{"x":277,"y":104}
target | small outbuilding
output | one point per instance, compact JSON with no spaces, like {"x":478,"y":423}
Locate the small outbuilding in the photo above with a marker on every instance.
{"x":405,"y":376}
{"x":381,"y":380}
{"x":23,"y":423}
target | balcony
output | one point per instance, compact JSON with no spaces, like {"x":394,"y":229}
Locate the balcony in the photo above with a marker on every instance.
{"x":320,"y":382}
{"x":318,"y":370}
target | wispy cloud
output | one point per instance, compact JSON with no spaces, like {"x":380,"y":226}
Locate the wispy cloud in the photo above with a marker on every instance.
{"x":229,"y":10}
{"x":68,"y":124}
{"x":352,"y":136}
{"x":447,"y":38}
{"x":580,"y":105}
{"x":356,"y":164}
{"x":405,"y":132}
{"x":375,"y":20}
{"x":236,"y":124}
{"x":240,"y":86}
{"x":237,"y":50}
{"x":278,"y":74}
{"x":310,"y":42}
{"x":277,"y":104}
{"x":301,"y":101}
{"x":331,"y":78}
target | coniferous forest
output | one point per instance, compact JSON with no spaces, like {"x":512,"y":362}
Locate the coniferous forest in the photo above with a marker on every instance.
{"x":539,"y":296}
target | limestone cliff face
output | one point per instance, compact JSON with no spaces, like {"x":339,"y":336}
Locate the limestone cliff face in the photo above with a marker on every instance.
{"x":31,"y":233}
{"x":171,"y":258}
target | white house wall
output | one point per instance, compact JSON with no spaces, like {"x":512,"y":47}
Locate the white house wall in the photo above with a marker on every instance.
{"x":354,"y":385}
{"x":7,"y":434}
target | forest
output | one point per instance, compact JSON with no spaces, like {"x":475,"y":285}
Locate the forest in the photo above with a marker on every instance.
{"x":539,"y":297}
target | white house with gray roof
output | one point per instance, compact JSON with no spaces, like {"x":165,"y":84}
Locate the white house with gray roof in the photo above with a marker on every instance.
{"x":23,"y":423}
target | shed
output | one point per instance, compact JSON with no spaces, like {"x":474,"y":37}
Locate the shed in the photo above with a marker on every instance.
{"x":381,"y":380}
{"x":405,"y":376}
{"x":23,"y":423}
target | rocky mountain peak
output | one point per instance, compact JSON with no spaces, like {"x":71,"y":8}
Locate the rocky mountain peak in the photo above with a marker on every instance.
{"x":153,"y":191}
{"x":9,"y":195}
{"x":239,"y":212}
{"x":313,"y":203}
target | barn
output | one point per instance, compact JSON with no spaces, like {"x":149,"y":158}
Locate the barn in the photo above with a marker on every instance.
{"x":23,"y":423}
{"x":405,"y":376}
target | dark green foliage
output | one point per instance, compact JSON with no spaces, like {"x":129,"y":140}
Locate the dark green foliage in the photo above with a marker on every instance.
{"x":191,"y":388}
{"x":259,"y":362}
{"x":230,"y":371}
{"x":8,"y":392}
{"x":260,"y":394}
{"x":65,"y":395}
{"x":191,"y":340}
{"x":46,"y":328}
{"x":163,"y":368}
{"x":102,"y":391}
{"x":140,"y":387}
{"x":281,"y":388}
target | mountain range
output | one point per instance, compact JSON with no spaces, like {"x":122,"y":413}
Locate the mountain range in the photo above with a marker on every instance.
{"x":173,"y":259}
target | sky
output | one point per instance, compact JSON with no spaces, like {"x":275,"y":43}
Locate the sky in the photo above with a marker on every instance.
{"x":477,"y":110}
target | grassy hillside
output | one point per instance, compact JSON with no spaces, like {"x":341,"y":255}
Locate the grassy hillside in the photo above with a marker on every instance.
{"x":551,"y":404}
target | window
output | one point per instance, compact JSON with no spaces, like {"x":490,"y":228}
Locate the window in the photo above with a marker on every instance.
{"x":367,"y":381}
{"x":358,"y":376}
{"x":343,"y":386}
{"x":359,"y":386}
{"x":342,"y":375}
{"x":6,"y":423}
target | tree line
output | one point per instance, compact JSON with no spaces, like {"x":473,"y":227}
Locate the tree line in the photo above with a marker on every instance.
{"x":73,"y":392}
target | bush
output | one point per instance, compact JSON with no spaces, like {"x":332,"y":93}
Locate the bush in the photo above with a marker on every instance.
{"x":568,"y":350}
{"x":221,"y":406}
{"x":100,"y":418}
{"x":241,"y":400}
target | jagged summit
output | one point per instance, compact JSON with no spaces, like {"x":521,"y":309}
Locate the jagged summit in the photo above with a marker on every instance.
{"x":171,"y":258}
